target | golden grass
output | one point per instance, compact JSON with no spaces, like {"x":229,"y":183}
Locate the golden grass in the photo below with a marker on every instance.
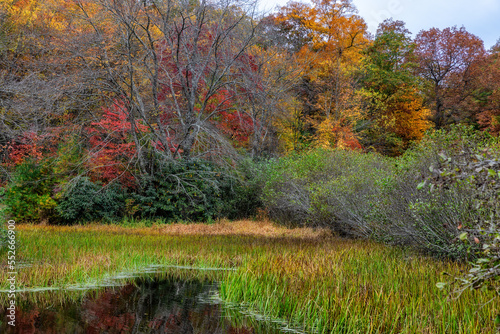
{"x":304,"y":275}
{"x":263,"y":228}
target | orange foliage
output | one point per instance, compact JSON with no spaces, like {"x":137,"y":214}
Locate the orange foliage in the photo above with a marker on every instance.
{"x":332,"y":37}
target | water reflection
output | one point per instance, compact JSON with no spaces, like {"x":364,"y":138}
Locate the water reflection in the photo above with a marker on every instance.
{"x":148,"y":305}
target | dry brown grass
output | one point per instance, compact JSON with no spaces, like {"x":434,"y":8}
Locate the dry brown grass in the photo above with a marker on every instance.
{"x":262,"y":228}
{"x":242,"y":227}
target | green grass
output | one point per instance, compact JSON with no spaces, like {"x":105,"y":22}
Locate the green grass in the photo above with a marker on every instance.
{"x":305,"y":277}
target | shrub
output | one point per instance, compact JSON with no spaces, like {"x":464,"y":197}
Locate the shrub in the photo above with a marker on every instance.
{"x":183,"y":190}
{"x":28,"y":195}
{"x":83,"y":200}
{"x":434,"y":216}
{"x":285,"y":192}
{"x":241,"y":191}
{"x":325,"y":188}
{"x":480,"y":174}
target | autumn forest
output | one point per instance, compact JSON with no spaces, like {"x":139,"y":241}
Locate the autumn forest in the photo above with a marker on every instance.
{"x":128,"y":83}
{"x":130,"y":117}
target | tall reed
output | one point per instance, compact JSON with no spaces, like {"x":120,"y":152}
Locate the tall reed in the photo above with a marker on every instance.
{"x":305,"y":277}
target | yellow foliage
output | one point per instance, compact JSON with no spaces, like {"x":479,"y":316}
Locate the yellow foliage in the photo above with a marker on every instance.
{"x":331,"y":134}
{"x":289,"y":124}
{"x":407,"y":116}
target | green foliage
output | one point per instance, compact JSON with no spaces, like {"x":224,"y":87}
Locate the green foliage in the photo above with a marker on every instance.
{"x":69,"y":156}
{"x":370,"y":196}
{"x":86,"y":201}
{"x":390,"y":60}
{"x":241,"y":194}
{"x":183,"y":190}
{"x":197,"y":190}
{"x":28,"y":195}
{"x":323,"y":188}
{"x":4,"y":238}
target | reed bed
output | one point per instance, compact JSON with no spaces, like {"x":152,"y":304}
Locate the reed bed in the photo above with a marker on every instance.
{"x":306,"y":277}
{"x":340,"y":286}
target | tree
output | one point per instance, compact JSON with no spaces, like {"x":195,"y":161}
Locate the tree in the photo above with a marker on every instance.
{"x":265,"y":91}
{"x":486,"y":97}
{"x":176,"y":68}
{"x":40,"y":86}
{"x":445,"y":59}
{"x":327,"y":38}
{"x":397,"y":110}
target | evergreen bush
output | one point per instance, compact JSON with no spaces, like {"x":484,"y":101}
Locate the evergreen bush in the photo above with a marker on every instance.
{"x":29,"y":194}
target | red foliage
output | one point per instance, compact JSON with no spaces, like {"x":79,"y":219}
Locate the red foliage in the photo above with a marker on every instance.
{"x":488,"y":96}
{"x":348,"y":138}
{"x":111,"y":148}
{"x":27,"y":146}
{"x":446,"y":59}
{"x":32,"y":145}
{"x":237,"y":126}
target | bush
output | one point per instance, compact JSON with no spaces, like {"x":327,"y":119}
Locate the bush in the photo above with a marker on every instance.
{"x":182,"y":190}
{"x":241,"y":192}
{"x":326,"y":188}
{"x":28,"y":195}
{"x":479,"y":173}
{"x":436,"y":214}
{"x":367,"y":195}
{"x":83,"y":200}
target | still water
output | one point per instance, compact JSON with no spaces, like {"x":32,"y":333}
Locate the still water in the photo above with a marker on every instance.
{"x":145,"y":305}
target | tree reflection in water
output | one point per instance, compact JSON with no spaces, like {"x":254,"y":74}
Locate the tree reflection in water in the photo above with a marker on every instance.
{"x":145,"y":306}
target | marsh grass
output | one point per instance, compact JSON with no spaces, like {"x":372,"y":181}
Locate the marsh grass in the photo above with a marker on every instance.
{"x":306,"y":277}
{"x":339,"y":286}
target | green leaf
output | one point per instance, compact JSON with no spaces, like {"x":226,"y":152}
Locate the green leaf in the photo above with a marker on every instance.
{"x":463,"y":236}
{"x":421,"y":185}
{"x":483,"y":260}
{"x":492,"y":173}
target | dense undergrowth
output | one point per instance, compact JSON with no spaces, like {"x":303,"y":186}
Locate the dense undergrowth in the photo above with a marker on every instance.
{"x":306,"y":277}
{"x":395,"y":200}
{"x":183,"y":190}
{"x":413,"y":200}
{"x":352,"y":193}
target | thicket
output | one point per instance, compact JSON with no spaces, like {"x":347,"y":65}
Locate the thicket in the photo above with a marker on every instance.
{"x":183,"y":190}
{"x":395,"y":200}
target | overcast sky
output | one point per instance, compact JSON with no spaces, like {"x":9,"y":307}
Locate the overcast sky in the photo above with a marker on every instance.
{"x":480,"y":17}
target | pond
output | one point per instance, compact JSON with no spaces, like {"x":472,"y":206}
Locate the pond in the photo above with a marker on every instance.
{"x":144,"y":305}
